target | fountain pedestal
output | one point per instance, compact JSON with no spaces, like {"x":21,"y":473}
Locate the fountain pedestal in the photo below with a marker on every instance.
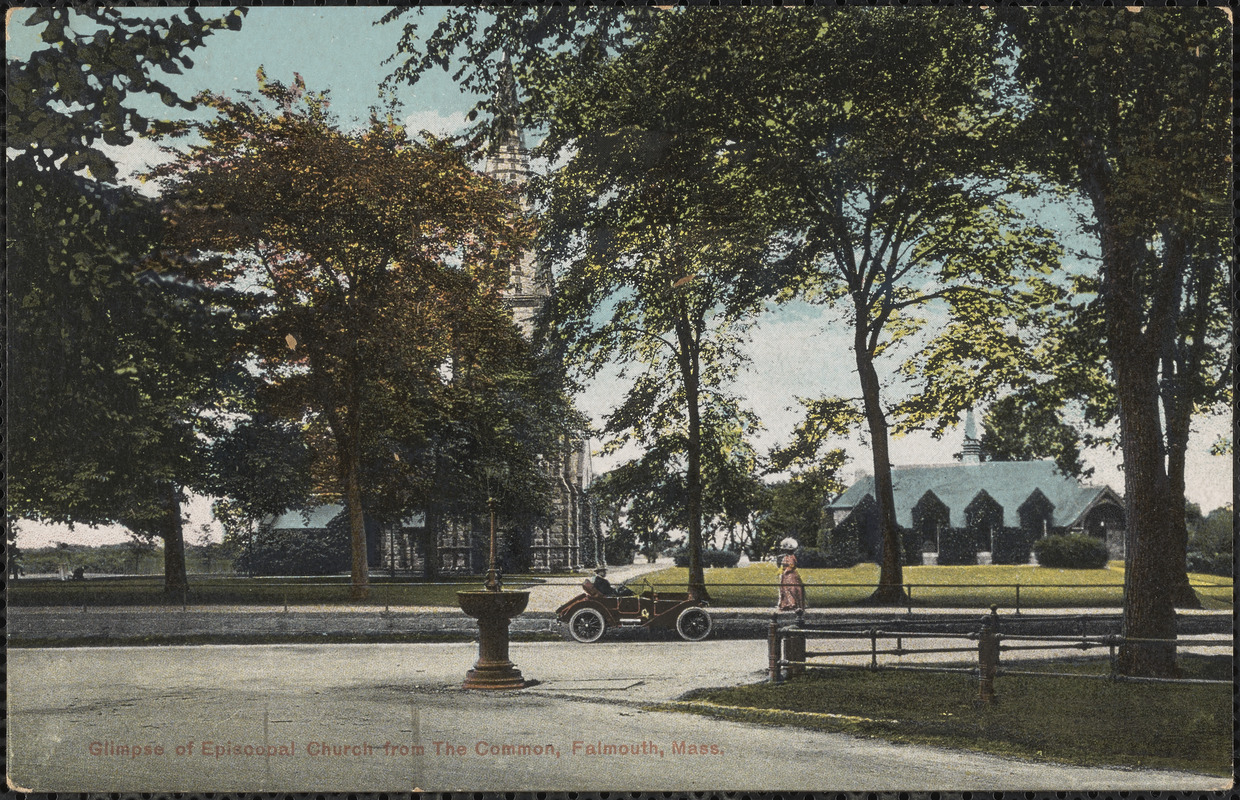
{"x":494,"y":610}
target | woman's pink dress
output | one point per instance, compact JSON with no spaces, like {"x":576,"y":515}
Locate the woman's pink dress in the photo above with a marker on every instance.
{"x":791,"y":590}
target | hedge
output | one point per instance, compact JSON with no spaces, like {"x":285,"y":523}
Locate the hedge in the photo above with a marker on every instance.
{"x":910,"y":540}
{"x":710,"y":557}
{"x":841,"y":546}
{"x":957,"y":546}
{"x":1071,"y":551}
{"x":312,"y":551}
{"x":1211,"y":563}
{"x":1012,"y":546}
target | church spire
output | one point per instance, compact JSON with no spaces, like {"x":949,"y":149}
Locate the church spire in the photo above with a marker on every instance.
{"x":971,"y":453}
{"x":509,"y":160}
{"x":529,"y":283}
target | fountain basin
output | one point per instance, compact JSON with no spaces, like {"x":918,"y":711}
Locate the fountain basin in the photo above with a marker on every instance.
{"x":505,"y":605}
{"x":493,"y":610}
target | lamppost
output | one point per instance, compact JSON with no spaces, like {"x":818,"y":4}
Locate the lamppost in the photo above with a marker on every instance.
{"x":494,"y":610}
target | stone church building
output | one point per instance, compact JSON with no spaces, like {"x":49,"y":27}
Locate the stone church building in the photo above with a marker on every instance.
{"x":995,"y":509}
{"x":571,"y":537}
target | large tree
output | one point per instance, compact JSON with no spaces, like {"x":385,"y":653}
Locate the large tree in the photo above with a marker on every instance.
{"x":378,"y":262}
{"x":110,"y":364}
{"x":114,"y":367}
{"x":1139,"y":126}
{"x":896,"y":201}
{"x":663,"y":249}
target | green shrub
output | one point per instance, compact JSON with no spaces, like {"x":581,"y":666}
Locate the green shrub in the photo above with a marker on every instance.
{"x":840,"y":548}
{"x":1211,"y":563}
{"x":620,"y":546}
{"x":1011,"y":546}
{"x":814,"y":558}
{"x":312,"y":551}
{"x":1211,"y":543}
{"x":957,"y":546}
{"x":1071,"y":551}
{"x":710,"y":557}
{"x":910,"y":540}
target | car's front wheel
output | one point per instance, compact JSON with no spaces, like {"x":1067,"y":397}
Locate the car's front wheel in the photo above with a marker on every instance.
{"x":693,"y":624}
{"x":587,"y":625}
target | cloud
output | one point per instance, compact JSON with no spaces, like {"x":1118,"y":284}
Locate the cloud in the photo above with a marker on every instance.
{"x":135,"y":158}
{"x":436,"y":122}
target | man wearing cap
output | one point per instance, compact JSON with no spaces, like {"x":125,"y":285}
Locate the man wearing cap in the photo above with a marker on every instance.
{"x":604,"y":586}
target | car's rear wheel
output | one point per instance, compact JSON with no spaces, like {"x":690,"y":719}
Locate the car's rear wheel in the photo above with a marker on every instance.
{"x":693,"y":624}
{"x":587,"y":625}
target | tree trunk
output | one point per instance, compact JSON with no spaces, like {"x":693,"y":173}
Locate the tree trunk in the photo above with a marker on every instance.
{"x":687,"y":354}
{"x":1149,"y":612}
{"x":1183,"y":371}
{"x":359,"y":587}
{"x":175,"y":579}
{"x":428,"y":541}
{"x":1178,"y":416}
{"x":1133,"y":345}
{"x":890,"y":589}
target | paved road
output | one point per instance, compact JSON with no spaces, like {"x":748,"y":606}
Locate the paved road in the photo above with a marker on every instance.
{"x":558,"y":591}
{"x":310,"y":699}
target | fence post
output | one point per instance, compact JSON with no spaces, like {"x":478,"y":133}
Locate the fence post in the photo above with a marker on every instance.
{"x":908,"y":598}
{"x":988,"y":656}
{"x":873,"y":648}
{"x":794,"y":650}
{"x":772,"y":649}
{"x":1018,"y":598}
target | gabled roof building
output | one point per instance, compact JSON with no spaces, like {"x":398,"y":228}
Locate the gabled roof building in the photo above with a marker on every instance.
{"x":998,"y":501}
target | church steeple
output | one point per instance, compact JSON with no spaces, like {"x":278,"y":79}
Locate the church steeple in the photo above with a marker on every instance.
{"x":509,"y":161}
{"x":972,"y":450}
{"x":529,"y":285}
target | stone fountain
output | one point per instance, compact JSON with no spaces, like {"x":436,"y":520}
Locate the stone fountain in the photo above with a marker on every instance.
{"x":494,"y":609}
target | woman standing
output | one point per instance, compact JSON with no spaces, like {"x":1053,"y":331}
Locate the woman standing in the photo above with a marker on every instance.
{"x":791,"y":589}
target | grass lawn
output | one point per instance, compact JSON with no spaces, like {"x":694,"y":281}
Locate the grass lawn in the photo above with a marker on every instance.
{"x":757,"y":585}
{"x":327,"y":590}
{"x":262,"y":638}
{"x":1077,"y":721}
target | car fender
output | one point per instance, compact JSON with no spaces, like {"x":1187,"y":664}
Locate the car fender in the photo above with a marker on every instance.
{"x":667,"y":617}
{"x":585,"y":601}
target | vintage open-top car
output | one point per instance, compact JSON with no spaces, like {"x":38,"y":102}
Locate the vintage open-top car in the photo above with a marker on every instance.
{"x":590,"y":614}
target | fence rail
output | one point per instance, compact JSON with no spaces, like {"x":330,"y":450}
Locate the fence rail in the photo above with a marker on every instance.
{"x":787,"y":654}
{"x":986,"y":588}
{"x":984,"y":594}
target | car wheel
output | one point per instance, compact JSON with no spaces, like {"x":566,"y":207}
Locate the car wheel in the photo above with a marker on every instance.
{"x":693,"y":624}
{"x":587,"y":625}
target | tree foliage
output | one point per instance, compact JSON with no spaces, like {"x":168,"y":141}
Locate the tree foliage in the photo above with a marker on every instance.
{"x":1029,"y":427}
{"x":377,"y":263}
{"x":77,"y":92}
{"x":115,"y":362}
{"x":115,"y":366}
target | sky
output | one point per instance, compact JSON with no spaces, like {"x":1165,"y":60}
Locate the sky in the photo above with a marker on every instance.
{"x":797,"y":350}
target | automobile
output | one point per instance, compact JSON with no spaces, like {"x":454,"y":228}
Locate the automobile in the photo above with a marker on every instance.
{"x":590,"y":614}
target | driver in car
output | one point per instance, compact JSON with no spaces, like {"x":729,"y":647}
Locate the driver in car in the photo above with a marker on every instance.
{"x":604,"y":586}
